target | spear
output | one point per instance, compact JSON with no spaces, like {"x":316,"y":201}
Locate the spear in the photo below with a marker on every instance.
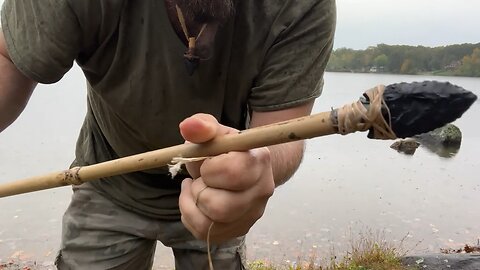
{"x":386,"y":112}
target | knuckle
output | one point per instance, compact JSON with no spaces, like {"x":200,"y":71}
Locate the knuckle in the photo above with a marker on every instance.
{"x":263,"y":155}
{"x":191,"y":227}
{"x":267,"y":189}
{"x":243,"y":232}
{"x":258,"y":214}
{"x":267,"y":193}
{"x":270,"y":188}
{"x":198,"y":227}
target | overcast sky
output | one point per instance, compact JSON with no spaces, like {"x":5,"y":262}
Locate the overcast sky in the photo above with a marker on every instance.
{"x":363,"y":23}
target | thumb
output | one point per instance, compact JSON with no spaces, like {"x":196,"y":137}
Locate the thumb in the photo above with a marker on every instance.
{"x":199,"y":128}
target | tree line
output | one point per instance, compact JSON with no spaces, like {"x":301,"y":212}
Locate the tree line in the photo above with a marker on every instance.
{"x":452,"y":60}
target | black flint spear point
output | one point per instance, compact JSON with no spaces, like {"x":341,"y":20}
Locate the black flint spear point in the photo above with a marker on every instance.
{"x":419,"y":107}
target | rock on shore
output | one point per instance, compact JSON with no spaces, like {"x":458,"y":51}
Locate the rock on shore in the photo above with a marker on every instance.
{"x":407,"y":146}
{"x":444,"y":261}
{"x":448,"y":135}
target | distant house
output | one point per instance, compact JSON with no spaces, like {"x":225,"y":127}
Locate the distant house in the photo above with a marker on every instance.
{"x":376,"y":69}
{"x":453,"y":65}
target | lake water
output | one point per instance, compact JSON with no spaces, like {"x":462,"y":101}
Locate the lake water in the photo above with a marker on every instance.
{"x":346,"y":184}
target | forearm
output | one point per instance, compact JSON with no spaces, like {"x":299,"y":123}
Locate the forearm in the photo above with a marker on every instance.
{"x":15,"y":89}
{"x":285,"y":160}
{"x":285,"y":157}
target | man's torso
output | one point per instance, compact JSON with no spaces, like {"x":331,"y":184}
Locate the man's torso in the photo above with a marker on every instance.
{"x":139,"y":89}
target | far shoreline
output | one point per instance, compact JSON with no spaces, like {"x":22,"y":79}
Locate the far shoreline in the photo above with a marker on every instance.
{"x":404,"y":74}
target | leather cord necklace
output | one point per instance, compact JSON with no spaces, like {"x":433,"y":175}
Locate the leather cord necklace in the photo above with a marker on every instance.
{"x":191,"y":58}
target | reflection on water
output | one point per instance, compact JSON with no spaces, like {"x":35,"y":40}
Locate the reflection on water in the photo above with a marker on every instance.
{"x":442,"y":150}
{"x":345,"y":183}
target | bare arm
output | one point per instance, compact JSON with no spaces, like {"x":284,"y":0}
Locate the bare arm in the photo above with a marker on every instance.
{"x":285,"y":157}
{"x":15,"y":88}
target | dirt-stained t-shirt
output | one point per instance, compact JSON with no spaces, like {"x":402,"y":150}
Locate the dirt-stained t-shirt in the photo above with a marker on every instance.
{"x":269,"y":56}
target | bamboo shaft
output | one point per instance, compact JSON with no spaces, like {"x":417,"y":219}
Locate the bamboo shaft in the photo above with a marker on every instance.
{"x":292,"y":130}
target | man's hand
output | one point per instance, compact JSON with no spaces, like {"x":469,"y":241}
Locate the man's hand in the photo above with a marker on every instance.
{"x":231,"y":190}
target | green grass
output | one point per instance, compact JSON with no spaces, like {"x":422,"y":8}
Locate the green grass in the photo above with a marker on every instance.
{"x":368,"y":251}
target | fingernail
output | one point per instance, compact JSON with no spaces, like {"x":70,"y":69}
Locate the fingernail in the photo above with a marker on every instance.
{"x":184,"y":182}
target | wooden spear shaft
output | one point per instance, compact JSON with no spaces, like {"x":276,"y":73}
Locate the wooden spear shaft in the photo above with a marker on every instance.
{"x":316,"y":125}
{"x":411,"y":109}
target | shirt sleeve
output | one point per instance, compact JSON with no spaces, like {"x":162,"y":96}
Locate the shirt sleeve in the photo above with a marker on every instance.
{"x":43,"y":37}
{"x":293,"y":68}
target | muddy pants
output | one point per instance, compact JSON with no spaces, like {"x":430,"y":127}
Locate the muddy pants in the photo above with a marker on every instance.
{"x":99,"y":235}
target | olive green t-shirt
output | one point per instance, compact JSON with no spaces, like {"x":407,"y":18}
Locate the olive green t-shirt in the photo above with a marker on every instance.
{"x":270,"y":56}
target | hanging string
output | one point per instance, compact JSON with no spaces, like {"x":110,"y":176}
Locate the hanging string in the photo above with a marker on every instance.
{"x":174,"y":168}
{"x":209,"y":252}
